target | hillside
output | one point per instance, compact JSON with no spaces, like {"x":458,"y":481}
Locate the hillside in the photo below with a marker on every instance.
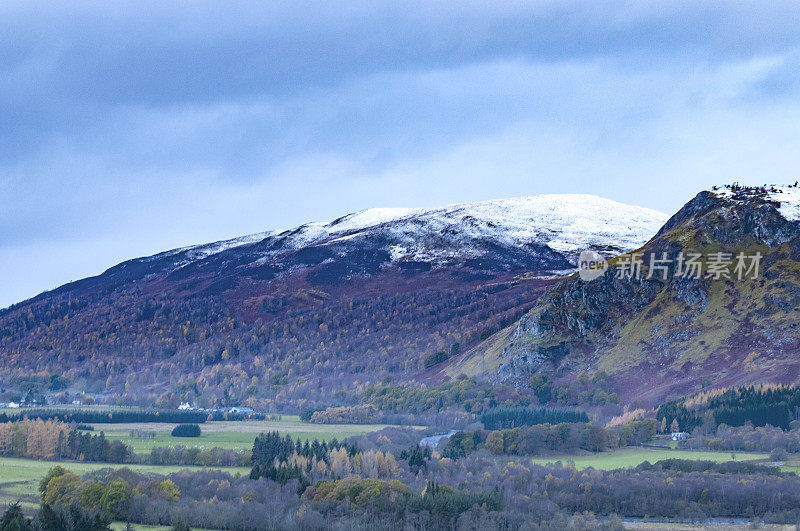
{"x":673,"y":333}
{"x":311,"y":314}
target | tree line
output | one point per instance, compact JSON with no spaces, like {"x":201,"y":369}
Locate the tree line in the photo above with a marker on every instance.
{"x":759,"y":405}
{"x":271,"y":446}
{"x":511,"y":417}
{"x":52,"y":439}
{"x":472,"y":491}
{"x":55,"y":440}
{"x":100,"y":416}
{"x":549,"y":438}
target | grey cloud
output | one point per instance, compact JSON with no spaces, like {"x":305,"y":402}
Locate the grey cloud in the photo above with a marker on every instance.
{"x":141,"y":125}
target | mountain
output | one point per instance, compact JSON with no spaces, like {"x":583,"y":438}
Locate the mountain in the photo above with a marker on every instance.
{"x":672,"y":333}
{"x":542,"y":233}
{"x":303,"y":315}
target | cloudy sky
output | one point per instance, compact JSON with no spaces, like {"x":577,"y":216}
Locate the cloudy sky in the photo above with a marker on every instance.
{"x":127,"y":128}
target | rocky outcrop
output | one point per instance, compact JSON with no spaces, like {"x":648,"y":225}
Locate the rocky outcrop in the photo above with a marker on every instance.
{"x":663,"y":328}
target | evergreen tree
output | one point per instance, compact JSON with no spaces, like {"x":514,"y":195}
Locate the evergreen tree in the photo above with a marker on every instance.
{"x":14,"y":520}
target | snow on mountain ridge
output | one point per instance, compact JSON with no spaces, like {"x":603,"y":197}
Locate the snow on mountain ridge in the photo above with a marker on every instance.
{"x":567,"y":223}
{"x":787,"y":196}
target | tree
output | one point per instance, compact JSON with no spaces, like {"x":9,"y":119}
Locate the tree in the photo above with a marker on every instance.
{"x":494,"y":442}
{"x":116,"y":499}
{"x":169,"y":490}
{"x":72,"y":518}
{"x":594,"y":438}
{"x":91,"y":496}
{"x":417,"y":458}
{"x":52,"y":473}
{"x":674,"y":426}
{"x":63,"y":489}
{"x":14,"y":520}
{"x":186,"y":430}
{"x":180,"y":525}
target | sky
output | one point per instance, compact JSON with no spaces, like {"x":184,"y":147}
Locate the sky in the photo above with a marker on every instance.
{"x":129,"y":128}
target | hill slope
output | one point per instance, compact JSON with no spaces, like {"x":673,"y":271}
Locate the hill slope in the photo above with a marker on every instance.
{"x":312,"y":313}
{"x":673,"y":333}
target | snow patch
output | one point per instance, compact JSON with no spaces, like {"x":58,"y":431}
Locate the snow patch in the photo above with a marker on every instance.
{"x":787,"y":196}
{"x":790,"y":202}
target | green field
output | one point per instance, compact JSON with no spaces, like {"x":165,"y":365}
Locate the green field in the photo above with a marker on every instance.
{"x":630,"y":457}
{"x":657,"y":526}
{"x":120,"y":526}
{"x":19,"y":478}
{"x":791,"y":466}
{"x":231,"y":435}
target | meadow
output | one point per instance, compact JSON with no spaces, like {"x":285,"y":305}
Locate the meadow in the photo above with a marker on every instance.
{"x":120,"y":526}
{"x":631,"y":457}
{"x":231,"y":435}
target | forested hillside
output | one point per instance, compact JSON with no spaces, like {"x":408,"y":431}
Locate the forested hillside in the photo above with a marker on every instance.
{"x":309,"y":316}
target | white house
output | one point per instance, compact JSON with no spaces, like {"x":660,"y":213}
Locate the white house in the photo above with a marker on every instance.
{"x":184,"y":406}
{"x":679,"y":435}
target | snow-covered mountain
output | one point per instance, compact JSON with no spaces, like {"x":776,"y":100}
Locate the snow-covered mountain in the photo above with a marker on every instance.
{"x":551,"y":228}
{"x":366,"y":296}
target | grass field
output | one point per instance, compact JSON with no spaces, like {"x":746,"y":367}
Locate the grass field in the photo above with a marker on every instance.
{"x":232,"y":435}
{"x":657,"y":526}
{"x":791,"y":466}
{"x":19,"y":478}
{"x":630,"y":457}
{"x":120,"y":526}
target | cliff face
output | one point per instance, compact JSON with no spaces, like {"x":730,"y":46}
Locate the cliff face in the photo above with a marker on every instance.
{"x":667,"y":332}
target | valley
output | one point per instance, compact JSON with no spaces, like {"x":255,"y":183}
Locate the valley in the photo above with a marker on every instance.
{"x":447,"y":362}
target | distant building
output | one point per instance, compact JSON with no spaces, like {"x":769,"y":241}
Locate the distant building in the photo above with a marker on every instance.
{"x":12,"y":405}
{"x":240,"y":410}
{"x":679,"y":435}
{"x":184,"y":406}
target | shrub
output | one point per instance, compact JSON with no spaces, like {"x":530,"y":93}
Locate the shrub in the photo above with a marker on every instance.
{"x":186,"y":430}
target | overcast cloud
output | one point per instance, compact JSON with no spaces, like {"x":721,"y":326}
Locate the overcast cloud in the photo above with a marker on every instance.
{"x":128,"y":128}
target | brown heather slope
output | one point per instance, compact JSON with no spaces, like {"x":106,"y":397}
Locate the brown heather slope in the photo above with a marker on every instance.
{"x":660,"y":338}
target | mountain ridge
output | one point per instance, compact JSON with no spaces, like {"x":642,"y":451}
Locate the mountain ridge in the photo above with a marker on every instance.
{"x":517,"y":211}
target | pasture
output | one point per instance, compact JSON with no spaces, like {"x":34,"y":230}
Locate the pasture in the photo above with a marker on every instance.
{"x":231,"y":435}
{"x":631,"y":457}
{"x":120,"y":526}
